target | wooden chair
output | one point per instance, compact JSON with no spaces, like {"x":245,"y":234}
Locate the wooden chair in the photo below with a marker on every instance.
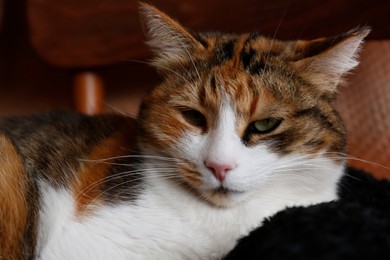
{"x":82,"y":36}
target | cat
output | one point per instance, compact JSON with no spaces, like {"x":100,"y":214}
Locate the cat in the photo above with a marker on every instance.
{"x":241,"y":127}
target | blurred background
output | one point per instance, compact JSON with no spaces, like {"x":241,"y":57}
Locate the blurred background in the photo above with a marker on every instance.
{"x":55,"y":52}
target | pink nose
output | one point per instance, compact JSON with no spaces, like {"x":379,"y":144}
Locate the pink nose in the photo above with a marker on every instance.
{"x":220,"y":170}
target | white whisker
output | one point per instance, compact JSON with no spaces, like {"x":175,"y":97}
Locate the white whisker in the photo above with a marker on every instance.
{"x":126,"y":114}
{"x":274,"y":36}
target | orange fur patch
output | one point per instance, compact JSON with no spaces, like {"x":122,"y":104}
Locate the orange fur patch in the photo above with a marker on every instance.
{"x":189,"y":174}
{"x":87,"y":187}
{"x":13,"y":203}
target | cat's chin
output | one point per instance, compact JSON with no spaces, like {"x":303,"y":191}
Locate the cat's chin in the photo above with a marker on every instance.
{"x":224,"y":197}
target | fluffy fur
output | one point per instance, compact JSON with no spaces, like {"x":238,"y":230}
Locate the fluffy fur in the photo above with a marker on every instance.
{"x":241,"y":127}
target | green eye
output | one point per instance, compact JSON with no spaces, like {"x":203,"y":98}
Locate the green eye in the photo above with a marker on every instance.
{"x":266,"y":125}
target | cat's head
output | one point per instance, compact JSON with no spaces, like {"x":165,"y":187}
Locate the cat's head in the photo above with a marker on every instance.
{"x":241,"y":113}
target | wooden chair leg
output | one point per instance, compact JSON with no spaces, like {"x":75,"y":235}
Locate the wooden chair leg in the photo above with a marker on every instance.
{"x":89,"y":93}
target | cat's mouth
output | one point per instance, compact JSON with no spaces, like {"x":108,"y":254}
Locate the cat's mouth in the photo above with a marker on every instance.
{"x":224,"y":197}
{"x":226,"y":191}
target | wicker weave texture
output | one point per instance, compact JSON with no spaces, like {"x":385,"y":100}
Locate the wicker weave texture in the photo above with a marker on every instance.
{"x":365,"y":107}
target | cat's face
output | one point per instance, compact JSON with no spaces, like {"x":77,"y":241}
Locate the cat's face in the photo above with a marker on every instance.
{"x":240,"y":112}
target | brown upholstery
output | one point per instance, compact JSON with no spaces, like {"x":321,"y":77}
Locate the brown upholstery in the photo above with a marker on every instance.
{"x":365,"y":106}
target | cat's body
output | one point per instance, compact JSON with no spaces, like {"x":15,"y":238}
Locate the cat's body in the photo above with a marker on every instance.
{"x":241,"y":127}
{"x":133,"y":215}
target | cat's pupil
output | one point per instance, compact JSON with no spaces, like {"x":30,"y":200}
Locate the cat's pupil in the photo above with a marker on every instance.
{"x":194,"y":117}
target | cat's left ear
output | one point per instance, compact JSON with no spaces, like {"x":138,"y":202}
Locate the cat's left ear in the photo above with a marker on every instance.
{"x":324,"y":61}
{"x":169,"y":41}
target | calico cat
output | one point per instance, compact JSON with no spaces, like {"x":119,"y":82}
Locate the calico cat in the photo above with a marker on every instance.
{"x":241,"y":127}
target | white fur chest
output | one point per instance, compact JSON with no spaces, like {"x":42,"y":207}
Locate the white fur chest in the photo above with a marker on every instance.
{"x":156,"y":227}
{"x":164,"y":223}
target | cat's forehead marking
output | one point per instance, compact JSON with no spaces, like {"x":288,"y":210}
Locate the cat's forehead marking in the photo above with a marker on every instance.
{"x":253,"y":106}
{"x":243,"y":95}
{"x":224,"y":51}
{"x":249,"y":51}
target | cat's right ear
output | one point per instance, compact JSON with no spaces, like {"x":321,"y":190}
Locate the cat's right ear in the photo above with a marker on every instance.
{"x":170,"y":42}
{"x":325,"y":61}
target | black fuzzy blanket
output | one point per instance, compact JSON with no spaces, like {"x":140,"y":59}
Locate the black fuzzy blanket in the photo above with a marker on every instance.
{"x":355,"y":227}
